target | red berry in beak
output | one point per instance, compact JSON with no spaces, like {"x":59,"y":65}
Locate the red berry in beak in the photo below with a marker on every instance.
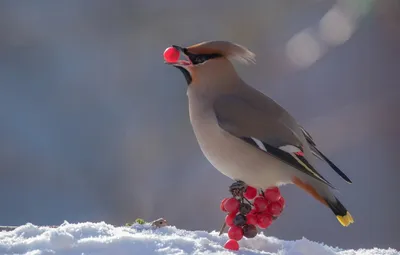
{"x":171,"y":55}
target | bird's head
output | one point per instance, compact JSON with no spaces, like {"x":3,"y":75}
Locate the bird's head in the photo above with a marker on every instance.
{"x":207,"y":58}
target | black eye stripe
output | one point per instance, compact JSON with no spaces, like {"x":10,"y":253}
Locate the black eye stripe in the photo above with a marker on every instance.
{"x":200,"y":58}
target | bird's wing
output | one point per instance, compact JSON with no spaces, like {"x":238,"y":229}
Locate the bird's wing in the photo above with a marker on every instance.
{"x":260,"y":128}
{"x":321,"y":156}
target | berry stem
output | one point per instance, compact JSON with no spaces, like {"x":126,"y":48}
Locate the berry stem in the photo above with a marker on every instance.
{"x":222,"y":228}
{"x":247,"y":201}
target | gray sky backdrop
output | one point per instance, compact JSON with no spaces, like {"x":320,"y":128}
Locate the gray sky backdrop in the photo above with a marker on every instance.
{"x":93,"y":125}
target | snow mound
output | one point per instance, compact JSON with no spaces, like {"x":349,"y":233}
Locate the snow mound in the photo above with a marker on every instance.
{"x":101,"y":238}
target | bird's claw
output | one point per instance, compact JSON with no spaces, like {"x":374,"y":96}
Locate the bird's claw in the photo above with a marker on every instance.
{"x":237,"y":188}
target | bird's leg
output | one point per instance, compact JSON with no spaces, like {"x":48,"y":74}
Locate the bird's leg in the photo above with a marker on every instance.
{"x":237,"y":188}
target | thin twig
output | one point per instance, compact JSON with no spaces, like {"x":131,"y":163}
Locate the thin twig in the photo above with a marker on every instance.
{"x":248,"y":201}
{"x":222,"y":228}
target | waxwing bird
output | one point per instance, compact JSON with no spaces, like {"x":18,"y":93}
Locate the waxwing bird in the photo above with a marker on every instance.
{"x":245,"y":134}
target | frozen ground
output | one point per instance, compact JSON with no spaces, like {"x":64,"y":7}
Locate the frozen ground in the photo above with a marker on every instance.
{"x":101,"y":238}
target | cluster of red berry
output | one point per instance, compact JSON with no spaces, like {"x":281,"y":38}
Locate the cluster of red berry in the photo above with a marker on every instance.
{"x":249,"y":209}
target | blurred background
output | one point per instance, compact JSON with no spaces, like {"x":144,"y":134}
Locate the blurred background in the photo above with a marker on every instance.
{"x":94,"y":127}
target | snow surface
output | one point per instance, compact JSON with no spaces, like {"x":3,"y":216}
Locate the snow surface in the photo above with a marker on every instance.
{"x":101,"y":238}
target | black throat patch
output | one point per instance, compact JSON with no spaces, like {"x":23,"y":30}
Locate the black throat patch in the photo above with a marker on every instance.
{"x":186,"y":73}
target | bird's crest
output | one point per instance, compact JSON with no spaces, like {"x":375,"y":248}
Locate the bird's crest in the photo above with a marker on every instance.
{"x":227,"y":49}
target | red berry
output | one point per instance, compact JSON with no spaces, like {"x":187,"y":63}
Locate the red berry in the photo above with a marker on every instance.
{"x":229,"y":219}
{"x":249,"y":231}
{"x":171,"y":55}
{"x":282,"y":202}
{"x":221,"y":206}
{"x":260,"y":204}
{"x":272,"y":194}
{"x":231,"y":205}
{"x":232,"y":245}
{"x":264,"y":220}
{"x":250,"y":193}
{"x":235,"y":233}
{"x":274,"y":208}
{"x":239,"y":220}
{"x":251,"y":219}
{"x":254,"y":211}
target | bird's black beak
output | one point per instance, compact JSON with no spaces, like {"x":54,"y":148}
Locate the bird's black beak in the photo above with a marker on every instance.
{"x":182,"y":64}
{"x":182,"y":50}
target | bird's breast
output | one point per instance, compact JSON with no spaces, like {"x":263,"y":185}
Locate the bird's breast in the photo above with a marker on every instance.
{"x":230,"y":155}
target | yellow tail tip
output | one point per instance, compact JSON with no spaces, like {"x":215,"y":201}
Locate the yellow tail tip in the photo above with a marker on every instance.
{"x":345,"y":220}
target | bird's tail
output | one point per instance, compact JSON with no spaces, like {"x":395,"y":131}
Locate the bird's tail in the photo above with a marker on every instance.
{"x":343,"y":216}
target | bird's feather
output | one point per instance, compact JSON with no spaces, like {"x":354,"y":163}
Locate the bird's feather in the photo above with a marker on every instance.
{"x":320,"y":155}
{"x":251,"y":123}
